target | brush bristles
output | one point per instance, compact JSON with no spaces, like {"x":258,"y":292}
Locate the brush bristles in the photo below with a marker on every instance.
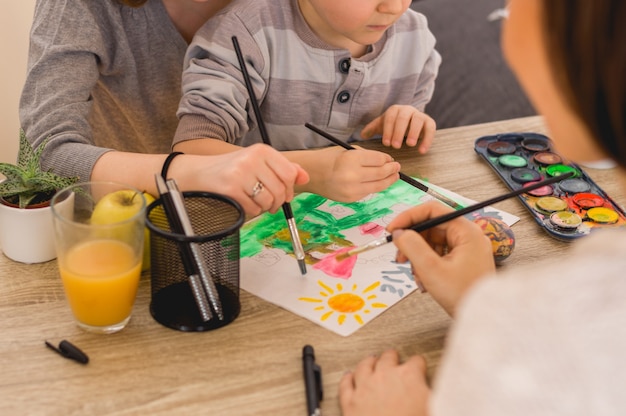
{"x":302,"y":265}
{"x":342,"y":256}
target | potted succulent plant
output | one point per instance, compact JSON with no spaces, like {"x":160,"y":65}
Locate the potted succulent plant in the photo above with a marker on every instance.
{"x":26,"y":233}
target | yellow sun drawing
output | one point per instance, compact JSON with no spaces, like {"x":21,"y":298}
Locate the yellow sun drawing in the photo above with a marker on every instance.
{"x":344,"y":303}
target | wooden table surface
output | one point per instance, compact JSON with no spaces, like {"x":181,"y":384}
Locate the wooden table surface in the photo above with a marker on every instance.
{"x":252,"y":366}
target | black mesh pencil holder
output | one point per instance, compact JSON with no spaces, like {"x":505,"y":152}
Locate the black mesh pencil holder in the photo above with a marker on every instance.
{"x":216,"y":221}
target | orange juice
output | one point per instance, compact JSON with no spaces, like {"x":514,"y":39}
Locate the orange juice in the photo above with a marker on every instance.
{"x":100,"y":279}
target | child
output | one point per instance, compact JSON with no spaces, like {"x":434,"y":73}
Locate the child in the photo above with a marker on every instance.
{"x":548,"y":339}
{"x":355,"y":69}
{"x":103,"y":83}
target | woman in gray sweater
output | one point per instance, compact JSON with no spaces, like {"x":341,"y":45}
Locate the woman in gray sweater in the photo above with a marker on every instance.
{"x":103,"y":83}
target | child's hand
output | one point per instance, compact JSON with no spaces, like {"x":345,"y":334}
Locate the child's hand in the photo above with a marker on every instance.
{"x":348,"y":175}
{"x":384,"y":386}
{"x":447,"y":259}
{"x":400,"y":121}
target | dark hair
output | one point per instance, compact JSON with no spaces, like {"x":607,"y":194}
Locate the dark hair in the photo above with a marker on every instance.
{"x":586,"y":40}
{"x":133,"y":3}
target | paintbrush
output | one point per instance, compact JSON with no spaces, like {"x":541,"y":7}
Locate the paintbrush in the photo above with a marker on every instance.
{"x":404,"y":177}
{"x":291,"y":222}
{"x":433,"y":222}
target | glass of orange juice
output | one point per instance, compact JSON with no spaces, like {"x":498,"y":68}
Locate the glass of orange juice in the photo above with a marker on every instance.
{"x":99,"y":244}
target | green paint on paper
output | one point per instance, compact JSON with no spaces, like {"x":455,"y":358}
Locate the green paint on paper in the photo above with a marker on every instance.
{"x":318,"y":228}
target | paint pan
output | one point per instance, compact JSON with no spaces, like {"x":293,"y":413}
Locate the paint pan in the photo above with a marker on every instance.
{"x":550,"y":204}
{"x":547,"y":158}
{"x":587,"y":200}
{"x":560,"y":169}
{"x":512,"y":161}
{"x":543,"y":191}
{"x":574,"y":186}
{"x":603,"y":215}
{"x":524,"y":175}
{"x":566,"y":220}
{"x":536,"y":143}
{"x":501,"y":148}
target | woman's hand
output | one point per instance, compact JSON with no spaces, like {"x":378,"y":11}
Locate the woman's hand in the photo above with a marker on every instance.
{"x":258,"y":177}
{"x":384,"y":386}
{"x":446,"y":259}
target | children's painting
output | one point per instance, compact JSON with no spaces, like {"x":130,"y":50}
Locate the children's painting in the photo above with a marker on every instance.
{"x":341,"y":296}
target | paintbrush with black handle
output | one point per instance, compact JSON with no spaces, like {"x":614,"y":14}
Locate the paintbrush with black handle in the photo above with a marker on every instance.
{"x":433,"y":222}
{"x":404,"y":177}
{"x":291,"y":222}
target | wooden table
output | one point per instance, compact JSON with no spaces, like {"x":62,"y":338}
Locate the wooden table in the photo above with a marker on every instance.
{"x":252,"y":366}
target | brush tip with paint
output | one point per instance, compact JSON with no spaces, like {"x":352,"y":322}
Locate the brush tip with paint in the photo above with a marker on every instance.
{"x":302,"y":265}
{"x":342,"y":256}
{"x":358,"y":250}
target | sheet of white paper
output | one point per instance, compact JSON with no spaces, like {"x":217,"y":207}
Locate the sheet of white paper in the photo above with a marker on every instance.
{"x":344,"y":296}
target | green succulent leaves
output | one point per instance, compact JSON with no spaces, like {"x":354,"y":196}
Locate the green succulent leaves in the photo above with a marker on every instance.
{"x":26,"y":180}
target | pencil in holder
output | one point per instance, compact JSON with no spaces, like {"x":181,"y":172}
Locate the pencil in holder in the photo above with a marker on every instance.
{"x":216,"y":220}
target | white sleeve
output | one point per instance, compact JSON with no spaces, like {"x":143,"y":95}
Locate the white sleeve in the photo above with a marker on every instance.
{"x":506,"y":356}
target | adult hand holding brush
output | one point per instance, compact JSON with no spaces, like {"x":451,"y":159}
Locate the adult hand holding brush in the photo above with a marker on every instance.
{"x":447,"y":259}
{"x":449,"y":246}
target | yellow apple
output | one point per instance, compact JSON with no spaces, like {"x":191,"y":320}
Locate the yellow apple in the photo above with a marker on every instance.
{"x":146,"y":238}
{"x":119,"y":206}
{"x":116,"y":206}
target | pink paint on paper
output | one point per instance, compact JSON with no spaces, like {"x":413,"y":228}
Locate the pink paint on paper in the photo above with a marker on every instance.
{"x":332,"y":267}
{"x":371,"y":228}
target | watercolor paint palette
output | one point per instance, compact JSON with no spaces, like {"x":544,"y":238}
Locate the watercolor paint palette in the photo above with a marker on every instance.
{"x":567,"y":210}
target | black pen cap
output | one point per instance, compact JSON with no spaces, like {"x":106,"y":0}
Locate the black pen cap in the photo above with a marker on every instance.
{"x":307,"y":350}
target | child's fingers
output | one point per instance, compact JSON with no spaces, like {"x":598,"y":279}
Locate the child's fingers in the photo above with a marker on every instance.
{"x":402,"y":124}
{"x":395,"y":123}
{"x":372,"y":128}
{"x":429,"y":127}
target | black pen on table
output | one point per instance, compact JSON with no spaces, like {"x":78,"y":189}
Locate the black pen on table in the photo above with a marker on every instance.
{"x":291,"y":222}
{"x":406,"y":178}
{"x":312,"y":381}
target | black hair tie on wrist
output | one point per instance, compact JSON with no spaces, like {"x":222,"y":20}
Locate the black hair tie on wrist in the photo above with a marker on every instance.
{"x":167,"y":163}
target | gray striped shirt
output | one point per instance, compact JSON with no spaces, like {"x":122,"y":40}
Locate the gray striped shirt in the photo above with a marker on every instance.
{"x":297,"y":77}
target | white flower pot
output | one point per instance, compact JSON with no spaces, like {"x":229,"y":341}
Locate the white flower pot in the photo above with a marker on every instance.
{"x":27,"y":235}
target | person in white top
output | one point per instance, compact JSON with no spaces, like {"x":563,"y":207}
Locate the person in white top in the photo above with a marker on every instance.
{"x":542,"y":340}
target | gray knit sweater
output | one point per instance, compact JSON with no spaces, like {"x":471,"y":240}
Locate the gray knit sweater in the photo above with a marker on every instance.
{"x":101,"y":76}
